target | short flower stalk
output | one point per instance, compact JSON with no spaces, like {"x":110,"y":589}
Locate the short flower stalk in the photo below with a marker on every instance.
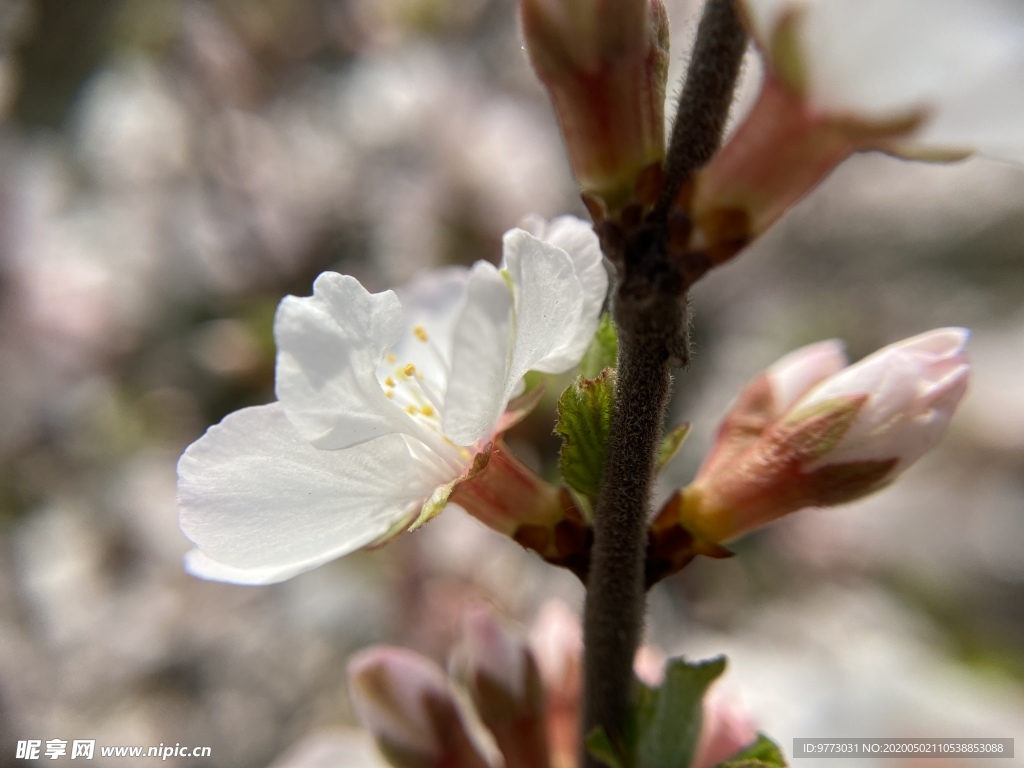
{"x":508,"y":497}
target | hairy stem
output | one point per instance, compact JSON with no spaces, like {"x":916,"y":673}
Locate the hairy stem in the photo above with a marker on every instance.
{"x":652,"y":319}
{"x":707,"y":93}
{"x":614,"y":614}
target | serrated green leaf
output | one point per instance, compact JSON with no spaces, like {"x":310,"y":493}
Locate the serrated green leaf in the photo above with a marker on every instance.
{"x":668,"y":719}
{"x":584,"y":417}
{"x":670,"y":445}
{"x":763,"y":753}
{"x":603,"y":350}
{"x":600,"y":746}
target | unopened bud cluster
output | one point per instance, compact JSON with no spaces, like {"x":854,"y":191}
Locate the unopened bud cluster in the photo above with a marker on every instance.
{"x":411,"y":708}
{"x":526,"y":694}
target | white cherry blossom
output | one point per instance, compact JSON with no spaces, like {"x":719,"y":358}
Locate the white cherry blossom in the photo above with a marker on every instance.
{"x":384,"y":401}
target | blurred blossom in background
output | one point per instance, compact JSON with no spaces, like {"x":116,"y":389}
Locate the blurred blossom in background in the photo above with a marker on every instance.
{"x":169,"y":169}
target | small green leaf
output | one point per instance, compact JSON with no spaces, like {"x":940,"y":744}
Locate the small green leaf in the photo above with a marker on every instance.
{"x":670,"y":445}
{"x":667,"y":719}
{"x":763,"y":753}
{"x":603,"y":350}
{"x":600,"y":746}
{"x":584,"y":416}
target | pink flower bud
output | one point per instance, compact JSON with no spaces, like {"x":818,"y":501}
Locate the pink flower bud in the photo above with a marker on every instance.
{"x":726,"y":729}
{"x":405,"y":701}
{"x":505,"y":686}
{"x":805,"y":433}
{"x":557,"y":642}
{"x":604,"y":63}
{"x":770,"y":395}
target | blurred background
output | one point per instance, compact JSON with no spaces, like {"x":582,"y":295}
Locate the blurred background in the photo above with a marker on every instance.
{"x":169,"y":169}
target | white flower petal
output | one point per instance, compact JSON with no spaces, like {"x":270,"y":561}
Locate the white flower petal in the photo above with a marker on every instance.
{"x":205,"y":567}
{"x":476,"y":394}
{"x":329,"y":347}
{"x":908,"y":440}
{"x":574,"y":236}
{"x":557,"y":300}
{"x":254,"y":495}
{"x":577,"y":238}
{"x":550,"y":302}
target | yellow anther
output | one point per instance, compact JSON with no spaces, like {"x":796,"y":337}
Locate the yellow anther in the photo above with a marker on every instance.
{"x":421,"y":332}
{"x":411,"y":410}
{"x":391,"y":358}
{"x":389,"y":382}
{"x":426,"y":410}
{"x":389,"y":395}
{"x":409,"y":370}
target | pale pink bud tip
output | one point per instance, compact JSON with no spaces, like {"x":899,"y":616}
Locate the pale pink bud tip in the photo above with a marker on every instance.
{"x":505,"y":687}
{"x":913,"y":388}
{"x":492,"y":653}
{"x":557,"y":641}
{"x":726,"y":729}
{"x":405,"y":701}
